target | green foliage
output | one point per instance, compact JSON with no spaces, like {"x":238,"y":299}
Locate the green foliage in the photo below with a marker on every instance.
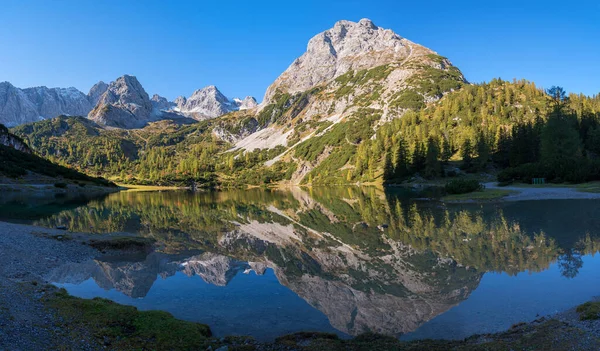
{"x":433,"y":81}
{"x":561,"y":144}
{"x":462,"y":186}
{"x":15,"y":164}
{"x":408,"y":99}
{"x":589,"y":311}
{"x":352,"y":79}
{"x":127,"y":328}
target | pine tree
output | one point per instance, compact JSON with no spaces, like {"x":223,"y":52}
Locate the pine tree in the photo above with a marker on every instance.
{"x":466,"y":153}
{"x":483,"y":151}
{"x":401,"y":163}
{"x":418,"y":158}
{"x":388,"y":168}
{"x":502,"y":148}
{"x":446,"y":153}
{"x":433,"y":168}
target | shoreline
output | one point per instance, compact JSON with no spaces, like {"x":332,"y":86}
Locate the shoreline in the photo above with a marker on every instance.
{"x":29,"y":253}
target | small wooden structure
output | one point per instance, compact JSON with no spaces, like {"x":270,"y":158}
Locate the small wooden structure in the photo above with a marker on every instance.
{"x":538,"y":181}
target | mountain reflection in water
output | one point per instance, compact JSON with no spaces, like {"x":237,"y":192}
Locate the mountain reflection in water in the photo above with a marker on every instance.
{"x":367,"y":260}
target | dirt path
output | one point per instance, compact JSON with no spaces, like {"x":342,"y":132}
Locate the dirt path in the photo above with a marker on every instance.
{"x":549,"y":193}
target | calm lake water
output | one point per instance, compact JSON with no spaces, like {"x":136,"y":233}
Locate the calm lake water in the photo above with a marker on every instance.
{"x":342,"y":260}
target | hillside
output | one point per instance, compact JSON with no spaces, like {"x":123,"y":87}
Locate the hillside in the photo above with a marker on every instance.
{"x":17,"y":161}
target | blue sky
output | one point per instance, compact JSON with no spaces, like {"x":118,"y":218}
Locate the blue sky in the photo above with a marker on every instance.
{"x":175,"y":47}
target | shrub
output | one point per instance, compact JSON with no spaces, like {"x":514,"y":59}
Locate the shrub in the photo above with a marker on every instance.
{"x":462,"y":186}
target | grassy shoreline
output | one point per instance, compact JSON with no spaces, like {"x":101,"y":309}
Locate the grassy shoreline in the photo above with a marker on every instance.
{"x":121,"y":327}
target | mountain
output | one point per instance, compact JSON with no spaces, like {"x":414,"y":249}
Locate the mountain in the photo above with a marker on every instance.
{"x":121,"y":104}
{"x":248,"y":103}
{"x":58,"y":101}
{"x":345,"y":47}
{"x":124,"y":104}
{"x":209,"y":102}
{"x":18,"y":106}
{"x":15,"y":107}
{"x":161,"y":103}
{"x":96,"y":92}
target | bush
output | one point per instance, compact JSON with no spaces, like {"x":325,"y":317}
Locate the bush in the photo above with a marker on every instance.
{"x":462,"y":186}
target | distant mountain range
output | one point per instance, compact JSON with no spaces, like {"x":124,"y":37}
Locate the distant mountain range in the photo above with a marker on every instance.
{"x":123,"y":103}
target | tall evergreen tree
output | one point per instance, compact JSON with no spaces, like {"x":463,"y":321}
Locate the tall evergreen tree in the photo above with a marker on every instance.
{"x":502,"y":148}
{"x":466,"y":153}
{"x":401,"y":163}
{"x":388,"y":168}
{"x":433,"y":167}
{"x":446,"y":153}
{"x":483,"y":151}
{"x":418,"y":158}
{"x":561,"y":145}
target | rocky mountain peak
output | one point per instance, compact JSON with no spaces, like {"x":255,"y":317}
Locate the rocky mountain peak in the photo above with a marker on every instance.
{"x":180,"y":102}
{"x":347,"y":46}
{"x":248,"y":103}
{"x":207,"y":102}
{"x":124,"y":104}
{"x":96,"y":92}
{"x":161,"y":103}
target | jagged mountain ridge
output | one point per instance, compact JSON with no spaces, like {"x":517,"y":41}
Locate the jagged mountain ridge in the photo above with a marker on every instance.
{"x":122,"y":103}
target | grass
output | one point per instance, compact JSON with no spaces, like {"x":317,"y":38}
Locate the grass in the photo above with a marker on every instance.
{"x":126,"y":328}
{"x":591,"y":187}
{"x":485,"y":195}
{"x":589,"y":311}
{"x":149,"y":187}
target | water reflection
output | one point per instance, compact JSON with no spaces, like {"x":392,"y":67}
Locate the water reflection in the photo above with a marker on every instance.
{"x":369,"y":261}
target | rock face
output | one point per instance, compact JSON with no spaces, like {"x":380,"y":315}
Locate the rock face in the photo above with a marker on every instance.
{"x":15,"y":107}
{"x":180,"y":102}
{"x":161,"y":103}
{"x":58,"y":101}
{"x":208,"y":102}
{"x":124,"y":104}
{"x":212,"y":268}
{"x":96,"y":92}
{"x":248,"y":103}
{"x":10,"y":140}
{"x":346,"y":46}
{"x":19,"y":106}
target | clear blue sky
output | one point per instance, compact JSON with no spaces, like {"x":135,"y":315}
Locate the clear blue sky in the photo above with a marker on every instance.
{"x":175,"y":47}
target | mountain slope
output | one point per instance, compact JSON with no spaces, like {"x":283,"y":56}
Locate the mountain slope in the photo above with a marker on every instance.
{"x":17,"y":160}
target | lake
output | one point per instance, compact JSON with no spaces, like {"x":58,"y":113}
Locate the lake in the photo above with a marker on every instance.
{"x":340,"y":260}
